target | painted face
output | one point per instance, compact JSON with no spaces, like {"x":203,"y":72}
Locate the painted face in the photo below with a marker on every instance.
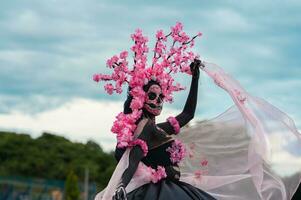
{"x":154,"y":100}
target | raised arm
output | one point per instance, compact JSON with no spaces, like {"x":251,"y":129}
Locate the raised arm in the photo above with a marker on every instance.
{"x":189,"y":109}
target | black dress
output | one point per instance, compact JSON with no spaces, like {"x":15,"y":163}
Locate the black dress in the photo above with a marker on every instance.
{"x":168,"y":188}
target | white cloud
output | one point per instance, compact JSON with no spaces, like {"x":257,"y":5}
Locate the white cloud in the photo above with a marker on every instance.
{"x":78,"y":120}
{"x":283,"y":161}
{"x":225,"y":20}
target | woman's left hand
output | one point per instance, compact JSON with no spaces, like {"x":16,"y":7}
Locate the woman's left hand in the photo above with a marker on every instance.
{"x":120,"y":193}
{"x":195,"y":68}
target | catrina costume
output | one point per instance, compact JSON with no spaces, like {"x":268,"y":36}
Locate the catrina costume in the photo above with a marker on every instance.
{"x":249,"y":152}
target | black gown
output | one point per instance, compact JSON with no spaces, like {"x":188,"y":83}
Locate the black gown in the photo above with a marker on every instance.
{"x":167,"y":188}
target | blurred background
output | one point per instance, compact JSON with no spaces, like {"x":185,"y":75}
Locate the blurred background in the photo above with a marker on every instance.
{"x":55,"y":139}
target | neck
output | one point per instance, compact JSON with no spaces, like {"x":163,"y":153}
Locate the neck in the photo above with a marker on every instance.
{"x":150,"y":116}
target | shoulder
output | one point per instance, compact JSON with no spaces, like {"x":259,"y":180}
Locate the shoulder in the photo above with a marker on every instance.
{"x":142,"y":126}
{"x":145,"y":131}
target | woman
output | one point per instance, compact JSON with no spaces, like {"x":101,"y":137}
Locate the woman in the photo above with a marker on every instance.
{"x":158,"y":139}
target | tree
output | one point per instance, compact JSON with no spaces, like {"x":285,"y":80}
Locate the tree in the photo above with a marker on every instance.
{"x":71,"y":187}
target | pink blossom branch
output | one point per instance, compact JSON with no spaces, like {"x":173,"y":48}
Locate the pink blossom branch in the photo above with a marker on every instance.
{"x":169,"y":34}
{"x":184,"y":43}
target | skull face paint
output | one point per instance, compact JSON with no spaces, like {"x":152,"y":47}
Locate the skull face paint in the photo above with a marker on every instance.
{"x":154,"y":100}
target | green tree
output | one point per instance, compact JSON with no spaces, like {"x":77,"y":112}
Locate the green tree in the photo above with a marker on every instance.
{"x":71,"y":187}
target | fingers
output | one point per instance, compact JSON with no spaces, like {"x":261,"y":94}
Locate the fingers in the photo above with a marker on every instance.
{"x":123,"y":196}
{"x":197,"y":61}
{"x":196,"y":64}
{"x":114,"y":197}
{"x":202,"y":65}
{"x":120,"y":194}
{"x":117,"y":195}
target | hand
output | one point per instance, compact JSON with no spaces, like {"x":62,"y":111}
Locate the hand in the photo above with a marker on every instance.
{"x":120,"y":193}
{"x":173,"y":173}
{"x":195,"y":68}
{"x":129,"y":90}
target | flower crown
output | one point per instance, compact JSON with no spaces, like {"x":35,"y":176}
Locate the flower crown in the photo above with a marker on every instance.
{"x":171,"y":55}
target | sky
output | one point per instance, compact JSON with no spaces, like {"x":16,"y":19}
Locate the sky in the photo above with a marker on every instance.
{"x":49,"y":51}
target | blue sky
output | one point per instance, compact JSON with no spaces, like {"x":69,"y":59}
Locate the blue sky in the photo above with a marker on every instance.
{"x":50,"y":49}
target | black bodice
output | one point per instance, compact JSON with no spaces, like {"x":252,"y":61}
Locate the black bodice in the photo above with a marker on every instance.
{"x":158,"y":156}
{"x":155,"y":157}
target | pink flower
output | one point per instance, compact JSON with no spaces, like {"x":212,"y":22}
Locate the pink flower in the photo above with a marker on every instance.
{"x":174,"y":123}
{"x":192,"y":44}
{"x":125,"y":134}
{"x":109,"y":88}
{"x":204,"y":162}
{"x":160,"y":35}
{"x":177,"y":87}
{"x":112,"y":61}
{"x":177,"y":151}
{"x":137,"y":103}
{"x":158,"y":174}
{"x":123,"y":55}
{"x":142,"y":144}
{"x":124,"y":137}
{"x":184,"y":37}
{"x":118,"y":90}
{"x":160,"y":48}
{"x":198,"y":174}
{"x":96,"y":77}
{"x":161,"y":172}
{"x":136,"y":114}
{"x":138,"y":92}
{"x":177,"y":28}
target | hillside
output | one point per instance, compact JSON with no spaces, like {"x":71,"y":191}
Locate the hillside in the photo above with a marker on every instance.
{"x":52,"y":157}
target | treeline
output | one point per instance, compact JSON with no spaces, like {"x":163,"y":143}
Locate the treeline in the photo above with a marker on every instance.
{"x":53,"y":157}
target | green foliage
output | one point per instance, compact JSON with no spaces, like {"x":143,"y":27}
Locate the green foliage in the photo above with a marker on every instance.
{"x":53,"y":157}
{"x":71,"y":187}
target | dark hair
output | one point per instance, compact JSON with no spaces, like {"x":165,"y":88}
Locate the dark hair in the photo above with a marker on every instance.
{"x":149,"y":84}
{"x":127,"y":103}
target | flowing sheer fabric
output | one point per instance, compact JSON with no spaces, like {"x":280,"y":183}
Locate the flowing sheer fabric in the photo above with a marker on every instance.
{"x":251,"y":151}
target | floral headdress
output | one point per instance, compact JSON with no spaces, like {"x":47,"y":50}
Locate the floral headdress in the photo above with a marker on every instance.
{"x":171,"y":55}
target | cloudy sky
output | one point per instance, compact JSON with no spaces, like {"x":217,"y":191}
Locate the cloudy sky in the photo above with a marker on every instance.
{"x":49,"y":51}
